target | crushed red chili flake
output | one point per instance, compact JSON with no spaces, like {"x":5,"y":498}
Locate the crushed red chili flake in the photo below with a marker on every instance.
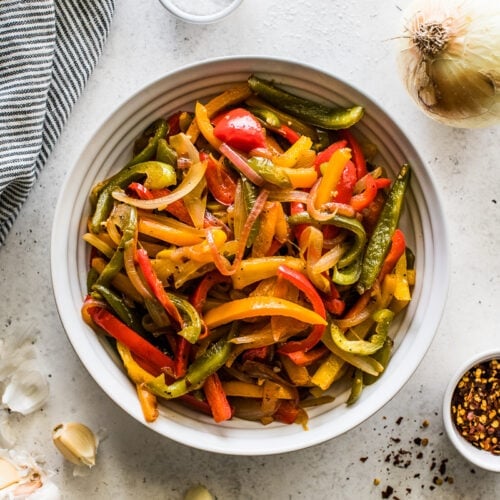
{"x":475,"y":406}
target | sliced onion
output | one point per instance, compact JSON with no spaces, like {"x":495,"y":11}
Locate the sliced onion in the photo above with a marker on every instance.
{"x":222,"y":264}
{"x":328,"y":259}
{"x":354,"y":320}
{"x":133,"y":275}
{"x":241,"y":164}
{"x":288,"y":195}
{"x":193,"y":177}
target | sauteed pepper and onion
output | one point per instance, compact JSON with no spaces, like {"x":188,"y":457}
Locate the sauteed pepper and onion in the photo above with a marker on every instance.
{"x":248,"y":261}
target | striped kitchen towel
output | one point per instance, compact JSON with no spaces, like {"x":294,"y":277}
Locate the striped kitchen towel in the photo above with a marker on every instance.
{"x":48,"y":48}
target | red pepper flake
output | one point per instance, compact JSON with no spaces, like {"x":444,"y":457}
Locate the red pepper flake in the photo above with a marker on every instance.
{"x":475,"y":406}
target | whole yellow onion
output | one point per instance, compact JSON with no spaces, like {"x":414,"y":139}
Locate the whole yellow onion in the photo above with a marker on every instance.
{"x":450,"y":60}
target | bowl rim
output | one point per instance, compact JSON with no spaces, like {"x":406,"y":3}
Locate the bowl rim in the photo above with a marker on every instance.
{"x":200,"y":18}
{"x":218,"y":441}
{"x":483,"y":459}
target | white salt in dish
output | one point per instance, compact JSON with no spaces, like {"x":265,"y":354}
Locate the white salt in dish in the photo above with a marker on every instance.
{"x":200,"y":11}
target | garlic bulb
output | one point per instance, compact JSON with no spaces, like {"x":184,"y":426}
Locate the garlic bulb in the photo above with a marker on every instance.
{"x":450,"y":60}
{"x":76,"y":442}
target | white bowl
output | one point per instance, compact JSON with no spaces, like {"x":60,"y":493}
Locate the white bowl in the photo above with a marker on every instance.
{"x":200,"y":11}
{"x":484,"y":459}
{"x":422,"y":220}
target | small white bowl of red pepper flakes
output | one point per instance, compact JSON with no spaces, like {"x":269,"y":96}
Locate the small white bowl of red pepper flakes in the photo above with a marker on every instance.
{"x":471,"y":410}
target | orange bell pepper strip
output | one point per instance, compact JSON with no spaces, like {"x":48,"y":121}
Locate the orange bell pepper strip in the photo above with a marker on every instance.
{"x":220,"y":180}
{"x":326,"y":154}
{"x":300,"y":177}
{"x":148,"y":402}
{"x":251,"y":307}
{"x":290,"y":157}
{"x":217,"y":399}
{"x":303,"y":358}
{"x":332,"y":172}
{"x":307,"y":288}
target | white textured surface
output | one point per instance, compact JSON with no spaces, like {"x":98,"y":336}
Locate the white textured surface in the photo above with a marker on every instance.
{"x":353,"y":40}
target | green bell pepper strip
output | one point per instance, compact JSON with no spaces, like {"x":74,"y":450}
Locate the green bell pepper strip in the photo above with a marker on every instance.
{"x":269,"y":118}
{"x":157,"y":130}
{"x":383,"y":319}
{"x":158,"y":175}
{"x":115,"y":264}
{"x":250,"y":193}
{"x":119,"y":307}
{"x":191,"y":321}
{"x":347,"y":275}
{"x":382,"y":356}
{"x":165,"y":153}
{"x":356,"y":387}
{"x":348,"y":223}
{"x":209,"y":362}
{"x":314,"y":113}
{"x":269,"y":172}
{"x":380,"y":240}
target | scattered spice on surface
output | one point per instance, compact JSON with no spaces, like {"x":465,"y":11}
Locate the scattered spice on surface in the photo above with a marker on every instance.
{"x":475,"y":406}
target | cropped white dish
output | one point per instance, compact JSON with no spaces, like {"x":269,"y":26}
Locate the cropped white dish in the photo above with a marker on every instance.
{"x":205,"y":16}
{"x":484,"y":459}
{"x":422,"y":221}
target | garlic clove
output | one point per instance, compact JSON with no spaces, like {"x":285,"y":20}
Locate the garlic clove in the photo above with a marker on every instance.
{"x":76,"y":442}
{"x":26,"y":392}
{"x":9,"y":474}
{"x":198,"y":492}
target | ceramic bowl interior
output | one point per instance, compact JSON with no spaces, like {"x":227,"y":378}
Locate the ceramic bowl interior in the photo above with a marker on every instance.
{"x":201,"y":12}
{"x":484,"y":459}
{"x":422,"y":220}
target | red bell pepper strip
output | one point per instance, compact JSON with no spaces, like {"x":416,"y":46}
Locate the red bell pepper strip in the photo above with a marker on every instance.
{"x":182,"y":357}
{"x":220,"y":182}
{"x":333,"y":303}
{"x":287,"y":412}
{"x":156,"y":285}
{"x":240,"y":129}
{"x":137,"y":344}
{"x":296,"y":207}
{"x":325,"y":155}
{"x":307,"y":288}
{"x":288,"y":133}
{"x":195,"y":403}
{"x":210,"y":279}
{"x":174,"y":126}
{"x":302,"y":358}
{"x":256,"y":353}
{"x":345,"y":186}
{"x":398,"y":247}
{"x":361,"y":200}
{"x":357,"y":153}
{"x":217,"y":399}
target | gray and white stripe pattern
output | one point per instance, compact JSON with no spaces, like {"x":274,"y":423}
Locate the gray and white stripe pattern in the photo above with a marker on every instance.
{"x":48,"y":48}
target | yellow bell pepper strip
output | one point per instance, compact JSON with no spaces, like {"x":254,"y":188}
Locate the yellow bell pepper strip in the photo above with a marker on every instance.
{"x":299,"y":375}
{"x":267,"y":227}
{"x":205,"y":127}
{"x":307,"y":288}
{"x":179,"y":236}
{"x":156,"y":285}
{"x":251,"y":307}
{"x":137,"y":344}
{"x":383,"y":319}
{"x":301,"y":177}
{"x":327,"y":372}
{"x":402,"y":292}
{"x":290,"y":157}
{"x":201,"y":368}
{"x":229,"y":97}
{"x":256,"y":269}
{"x":217,"y":399}
{"x":332,"y":172}
{"x":156,"y":131}
{"x":250,"y":390}
{"x":311,"y":112}
{"x":380,"y":240}
{"x":158,"y":175}
{"x":139,"y":376}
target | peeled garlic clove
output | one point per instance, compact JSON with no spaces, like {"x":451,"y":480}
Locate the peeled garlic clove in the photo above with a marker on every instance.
{"x":198,"y":492}
{"x":76,"y":442}
{"x":9,"y":474}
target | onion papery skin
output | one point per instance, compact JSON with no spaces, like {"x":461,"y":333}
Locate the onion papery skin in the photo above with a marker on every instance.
{"x":450,"y":60}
